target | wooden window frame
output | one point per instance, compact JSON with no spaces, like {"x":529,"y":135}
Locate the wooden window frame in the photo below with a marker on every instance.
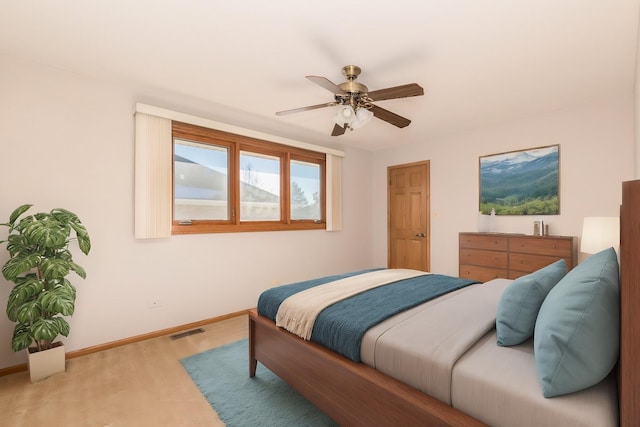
{"x":237,"y":143}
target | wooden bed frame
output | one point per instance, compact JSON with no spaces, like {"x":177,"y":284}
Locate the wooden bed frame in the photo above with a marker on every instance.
{"x":354,"y":394}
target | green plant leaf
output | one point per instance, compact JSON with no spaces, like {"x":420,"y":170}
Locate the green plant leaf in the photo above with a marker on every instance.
{"x":16,"y":213}
{"x":63,"y":326}
{"x":27,"y":286}
{"x":18,"y":265}
{"x":57,"y":301}
{"x":64,"y":216}
{"x":64,"y":254}
{"x":27,"y":289}
{"x":18,"y":244}
{"x":47,"y":232}
{"x":54,"y":268}
{"x":28,"y":312}
{"x":22,"y":339}
{"x":45,"y":329}
{"x":79,"y":270}
{"x":84,"y":242}
{"x":67,"y":287}
{"x":69,"y":218}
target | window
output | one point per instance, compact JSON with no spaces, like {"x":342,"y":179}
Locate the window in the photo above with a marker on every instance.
{"x":305,"y":190}
{"x":260,"y":183}
{"x":200,"y":181}
{"x":224,"y":182}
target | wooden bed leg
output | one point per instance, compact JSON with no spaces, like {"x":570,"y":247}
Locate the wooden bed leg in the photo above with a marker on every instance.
{"x":253,"y":363}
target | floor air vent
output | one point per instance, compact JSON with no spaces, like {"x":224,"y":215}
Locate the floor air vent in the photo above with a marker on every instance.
{"x":186,"y":333}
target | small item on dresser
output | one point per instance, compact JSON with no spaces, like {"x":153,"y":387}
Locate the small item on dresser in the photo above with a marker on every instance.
{"x":483,"y":222}
{"x":546,"y":229}
{"x":536,"y":228}
{"x":492,"y":221}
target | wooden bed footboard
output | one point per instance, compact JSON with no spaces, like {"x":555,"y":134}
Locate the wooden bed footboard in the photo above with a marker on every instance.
{"x":352,"y":394}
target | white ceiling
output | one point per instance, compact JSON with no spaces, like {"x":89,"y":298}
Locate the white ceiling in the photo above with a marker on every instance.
{"x":480,"y":62}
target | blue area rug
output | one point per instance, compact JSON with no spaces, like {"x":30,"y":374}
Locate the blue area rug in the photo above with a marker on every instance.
{"x":222,"y":375}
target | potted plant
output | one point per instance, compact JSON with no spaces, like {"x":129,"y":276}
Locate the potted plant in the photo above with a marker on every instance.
{"x":39,"y":263}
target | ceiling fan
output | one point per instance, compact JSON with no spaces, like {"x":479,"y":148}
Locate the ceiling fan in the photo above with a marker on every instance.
{"x":357,"y":103}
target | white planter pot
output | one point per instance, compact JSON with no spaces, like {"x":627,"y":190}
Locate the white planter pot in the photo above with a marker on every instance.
{"x":43,"y":364}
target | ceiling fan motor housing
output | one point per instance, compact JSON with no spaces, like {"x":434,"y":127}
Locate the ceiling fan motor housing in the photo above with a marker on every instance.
{"x":353,"y":87}
{"x":351,"y":72}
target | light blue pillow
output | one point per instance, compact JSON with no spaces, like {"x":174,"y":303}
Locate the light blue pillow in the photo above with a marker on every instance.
{"x":520,"y":302}
{"x":576,"y":338}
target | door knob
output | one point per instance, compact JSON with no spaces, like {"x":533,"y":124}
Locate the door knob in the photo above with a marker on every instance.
{"x":420,"y":235}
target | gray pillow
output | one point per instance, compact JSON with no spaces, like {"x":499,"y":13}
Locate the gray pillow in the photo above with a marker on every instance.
{"x":576,"y":339}
{"x":520,"y":302}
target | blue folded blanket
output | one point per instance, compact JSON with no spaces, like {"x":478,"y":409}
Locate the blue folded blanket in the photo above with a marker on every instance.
{"x":270,"y":300}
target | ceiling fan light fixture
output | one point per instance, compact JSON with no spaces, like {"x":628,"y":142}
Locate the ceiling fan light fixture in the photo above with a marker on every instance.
{"x":345,"y":114}
{"x":363,"y":116}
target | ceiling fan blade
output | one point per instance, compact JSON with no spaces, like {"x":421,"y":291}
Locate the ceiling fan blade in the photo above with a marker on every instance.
{"x":327,"y":84}
{"x":338,"y":130}
{"x":404,"y":91}
{"x":310,"y":107}
{"x":390,"y":117}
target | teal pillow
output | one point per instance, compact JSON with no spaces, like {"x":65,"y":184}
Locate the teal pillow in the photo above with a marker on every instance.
{"x":520,"y":302}
{"x":576,"y":338}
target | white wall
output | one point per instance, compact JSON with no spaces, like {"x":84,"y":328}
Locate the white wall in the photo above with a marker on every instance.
{"x":67,"y":141}
{"x":596,"y":155}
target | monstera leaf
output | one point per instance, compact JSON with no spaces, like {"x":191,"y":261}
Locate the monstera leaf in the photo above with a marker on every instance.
{"x":20,"y":264}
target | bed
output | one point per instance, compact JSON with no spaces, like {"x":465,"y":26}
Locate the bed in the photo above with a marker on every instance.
{"x":354,"y":393}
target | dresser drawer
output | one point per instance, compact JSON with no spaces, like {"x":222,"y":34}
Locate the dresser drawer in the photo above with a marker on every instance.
{"x":515,"y":274}
{"x":471,"y":241}
{"x":481,"y":274}
{"x":494,"y":259}
{"x":529,"y":263}
{"x":563,"y":248}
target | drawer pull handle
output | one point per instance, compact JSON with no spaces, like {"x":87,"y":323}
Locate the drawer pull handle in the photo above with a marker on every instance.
{"x":521,"y":244}
{"x":553,"y":246}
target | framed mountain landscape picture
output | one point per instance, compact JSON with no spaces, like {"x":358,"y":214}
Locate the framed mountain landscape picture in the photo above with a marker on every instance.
{"x":524,"y":182}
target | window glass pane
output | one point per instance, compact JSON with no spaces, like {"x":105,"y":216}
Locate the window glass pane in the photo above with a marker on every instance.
{"x":259,"y":187}
{"x":201,"y":181}
{"x":305,"y":190}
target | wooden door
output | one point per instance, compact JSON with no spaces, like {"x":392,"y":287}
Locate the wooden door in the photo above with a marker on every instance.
{"x":408,"y":216}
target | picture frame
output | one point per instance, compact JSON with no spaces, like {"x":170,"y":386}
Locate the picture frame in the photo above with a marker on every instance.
{"x":521,"y":182}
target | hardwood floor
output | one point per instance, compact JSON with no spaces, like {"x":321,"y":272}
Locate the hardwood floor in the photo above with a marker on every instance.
{"x":140,"y":384}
